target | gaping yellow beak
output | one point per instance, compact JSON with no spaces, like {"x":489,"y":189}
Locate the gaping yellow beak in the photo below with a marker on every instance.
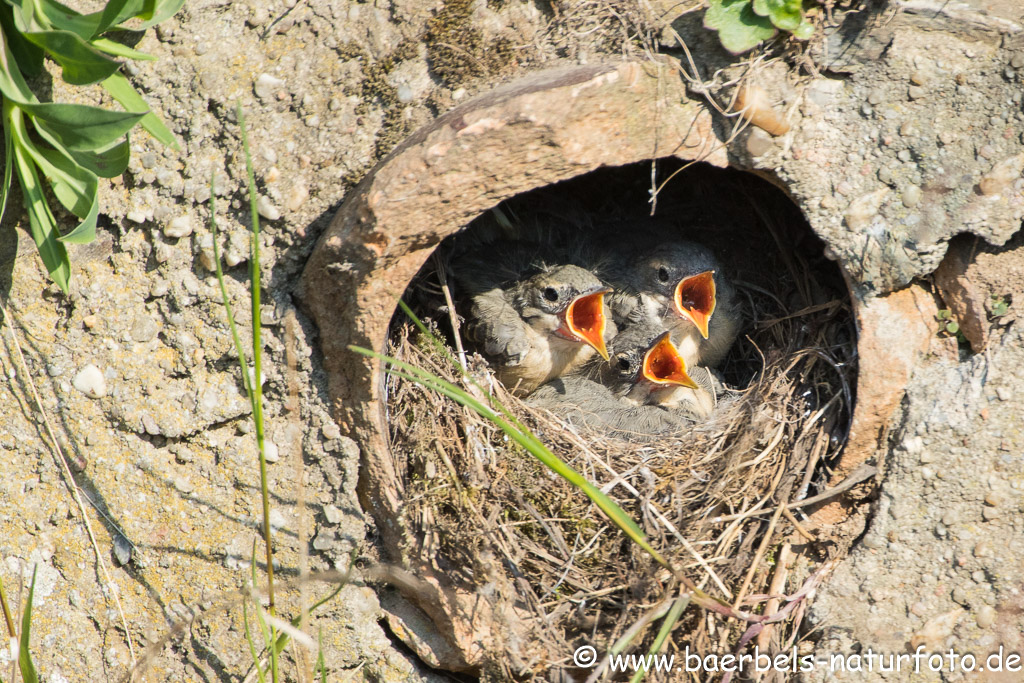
{"x":585,"y":319}
{"x":695,"y":299}
{"x":664,"y":365}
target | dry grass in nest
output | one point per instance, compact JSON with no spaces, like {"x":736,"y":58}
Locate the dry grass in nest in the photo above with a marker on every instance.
{"x":711,"y":502}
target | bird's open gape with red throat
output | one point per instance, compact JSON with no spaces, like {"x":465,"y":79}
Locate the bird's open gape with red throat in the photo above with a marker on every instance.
{"x":583,"y":319}
{"x":664,"y":365}
{"x":695,"y":299}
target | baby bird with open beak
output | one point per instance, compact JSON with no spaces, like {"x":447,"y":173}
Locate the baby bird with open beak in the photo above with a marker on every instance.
{"x":536,"y":327}
{"x":681,"y":285}
{"x":648,"y":392}
{"x":646,"y":368}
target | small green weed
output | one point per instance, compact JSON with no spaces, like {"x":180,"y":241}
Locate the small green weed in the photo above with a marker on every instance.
{"x":69,"y":146}
{"x":949,"y":326}
{"x":743,"y":24}
{"x":25,"y":664}
{"x":1000,"y":306}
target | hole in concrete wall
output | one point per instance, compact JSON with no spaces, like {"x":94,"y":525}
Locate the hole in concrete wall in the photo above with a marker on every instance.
{"x":497,"y":522}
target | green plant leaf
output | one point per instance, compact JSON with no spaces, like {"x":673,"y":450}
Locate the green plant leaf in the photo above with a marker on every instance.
{"x":151,"y":12}
{"x":80,"y":63}
{"x":804,"y":31}
{"x":65,"y":18}
{"x":785,"y":14}
{"x":117,"y":11}
{"x":81,"y":127}
{"x":122,"y":91}
{"x":28,"y":669}
{"x":739,"y":27}
{"x":79,"y":187}
{"x":112,"y":47}
{"x":12,"y":83}
{"x":27,"y":57}
{"x":42,"y":224}
{"x":105,"y":163}
{"x":952,"y":327}
{"x":8,"y":165}
{"x":157,"y":11}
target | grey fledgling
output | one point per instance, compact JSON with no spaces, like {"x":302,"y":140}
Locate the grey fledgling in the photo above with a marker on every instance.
{"x":534,"y":327}
{"x":585,"y":403}
{"x":648,"y":392}
{"x":646,"y":368}
{"x":681,"y":285}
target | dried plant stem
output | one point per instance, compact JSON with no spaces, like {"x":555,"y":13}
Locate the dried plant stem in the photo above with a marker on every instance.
{"x":69,"y":480}
{"x":453,"y":317}
{"x":761,"y":549}
{"x":777,"y":587}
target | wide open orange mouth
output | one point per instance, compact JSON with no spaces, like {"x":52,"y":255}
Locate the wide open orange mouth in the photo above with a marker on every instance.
{"x":695,"y":299}
{"x":664,"y":365}
{"x":584,"y":318}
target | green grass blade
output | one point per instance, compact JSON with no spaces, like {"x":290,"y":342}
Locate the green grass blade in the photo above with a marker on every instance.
{"x":528,"y":441}
{"x":28,"y":669}
{"x":666,"y":628}
{"x":243,"y":361}
{"x":254,"y":280}
{"x":123,"y":92}
{"x":259,"y":608}
{"x":321,"y":665}
{"x":262,"y":677}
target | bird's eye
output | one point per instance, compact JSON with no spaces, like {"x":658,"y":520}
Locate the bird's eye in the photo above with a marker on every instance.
{"x":622,"y":363}
{"x":663,"y":274}
{"x":550,"y":293}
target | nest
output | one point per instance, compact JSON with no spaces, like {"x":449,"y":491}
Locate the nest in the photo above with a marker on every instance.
{"x":712,"y":502}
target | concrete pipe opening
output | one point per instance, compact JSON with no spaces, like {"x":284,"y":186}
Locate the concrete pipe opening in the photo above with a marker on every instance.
{"x":496,"y":558}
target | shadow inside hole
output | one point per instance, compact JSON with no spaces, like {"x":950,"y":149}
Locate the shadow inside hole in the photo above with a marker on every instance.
{"x":761,"y":238}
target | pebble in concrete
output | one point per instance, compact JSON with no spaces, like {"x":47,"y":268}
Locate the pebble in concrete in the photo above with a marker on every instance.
{"x":90,"y":382}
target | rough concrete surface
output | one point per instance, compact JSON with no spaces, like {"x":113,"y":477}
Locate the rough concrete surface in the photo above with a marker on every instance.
{"x":905,"y":129}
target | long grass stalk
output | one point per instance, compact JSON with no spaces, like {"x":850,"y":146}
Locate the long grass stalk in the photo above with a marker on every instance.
{"x":254,"y":383}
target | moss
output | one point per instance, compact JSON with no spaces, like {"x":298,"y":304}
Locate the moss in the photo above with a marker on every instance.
{"x":407,"y":49}
{"x":376,"y":91}
{"x":457,"y":50}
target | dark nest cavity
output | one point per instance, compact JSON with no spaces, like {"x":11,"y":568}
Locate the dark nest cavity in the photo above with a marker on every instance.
{"x":707,"y":500}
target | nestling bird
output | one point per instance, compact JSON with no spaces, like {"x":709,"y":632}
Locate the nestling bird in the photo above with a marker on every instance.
{"x":648,"y":392}
{"x":533,"y":322}
{"x":646,"y":368}
{"x":681,"y":284}
{"x":585,"y":403}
